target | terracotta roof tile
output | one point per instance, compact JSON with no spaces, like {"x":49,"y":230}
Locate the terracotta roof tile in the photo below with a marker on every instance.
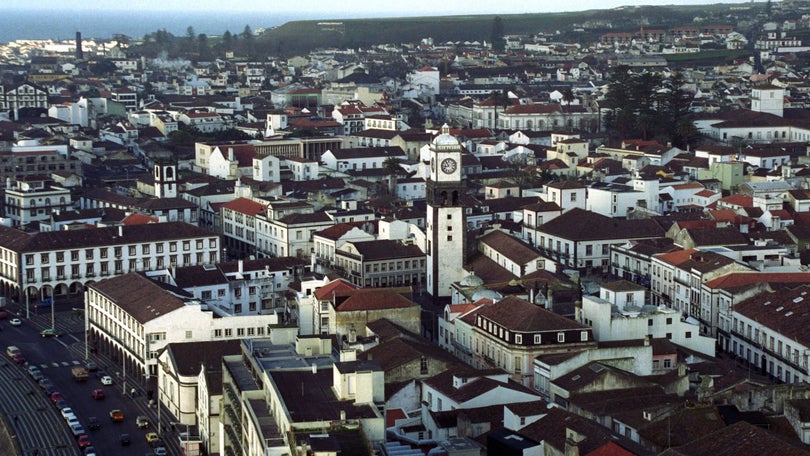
{"x":245,"y":206}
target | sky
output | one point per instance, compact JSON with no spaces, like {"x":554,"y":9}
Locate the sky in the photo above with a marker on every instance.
{"x":353,"y":8}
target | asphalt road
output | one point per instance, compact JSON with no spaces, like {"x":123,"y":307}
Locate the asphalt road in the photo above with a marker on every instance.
{"x":35,"y":422}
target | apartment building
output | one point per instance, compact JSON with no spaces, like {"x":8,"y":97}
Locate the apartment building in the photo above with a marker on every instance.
{"x":34,"y":199}
{"x":35,"y":266}
{"x":769,"y":331}
{"x":132,"y":318}
{"x":381,"y":263}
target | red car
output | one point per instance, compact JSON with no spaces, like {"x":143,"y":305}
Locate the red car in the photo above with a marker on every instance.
{"x":97,"y":394}
{"x":4,"y":314}
{"x":56,"y":396}
{"x":18,"y":358}
{"x":83,"y":441}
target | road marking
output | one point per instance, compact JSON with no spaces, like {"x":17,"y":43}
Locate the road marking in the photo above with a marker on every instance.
{"x":74,"y":337}
{"x":76,"y":363}
{"x":65,"y":363}
{"x":55,"y":364}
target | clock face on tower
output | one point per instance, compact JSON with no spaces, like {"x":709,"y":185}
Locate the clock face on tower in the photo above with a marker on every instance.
{"x":448,"y":165}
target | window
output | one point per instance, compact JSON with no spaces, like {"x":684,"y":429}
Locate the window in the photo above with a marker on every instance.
{"x":667,"y":363}
{"x":537,"y":339}
{"x":423,"y":366}
{"x":518,"y":338}
{"x":669,"y":321}
{"x":649,"y":322}
{"x":583,"y":336}
{"x":560,"y":337}
{"x":188,"y":334}
{"x":688,"y":334}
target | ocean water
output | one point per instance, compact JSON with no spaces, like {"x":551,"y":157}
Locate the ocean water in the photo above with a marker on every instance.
{"x":63,"y":24}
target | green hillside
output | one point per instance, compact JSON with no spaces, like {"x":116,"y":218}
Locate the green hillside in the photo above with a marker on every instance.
{"x":302,"y":36}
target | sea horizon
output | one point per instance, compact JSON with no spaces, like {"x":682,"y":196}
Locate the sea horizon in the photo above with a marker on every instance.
{"x":63,"y":24}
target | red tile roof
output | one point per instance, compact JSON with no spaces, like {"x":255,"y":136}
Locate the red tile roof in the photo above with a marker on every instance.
{"x":139,"y":219}
{"x":677,"y":257}
{"x":738,"y":200}
{"x":739,"y":279}
{"x":337,"y":287}
{"x":374,"y":299}
{"x":245,"y":206}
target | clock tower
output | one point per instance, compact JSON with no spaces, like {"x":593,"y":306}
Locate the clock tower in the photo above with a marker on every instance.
{"x":446,"y":220}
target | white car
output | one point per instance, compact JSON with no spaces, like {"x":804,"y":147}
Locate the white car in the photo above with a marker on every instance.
{"x":77,"y":430}
{"x":106,"y":380}
{"x":67,"y":414}
{"x":73,"y":421}
{"x":15,"y":322}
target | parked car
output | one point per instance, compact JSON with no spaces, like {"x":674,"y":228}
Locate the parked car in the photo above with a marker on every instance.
{"x":93,"y":423}
{"x":125,"y":439}
{"x":12,"y":350}
{"x":117,"y":415}
{"x":4,"y":314}
{"x":67,"y":413}
{"x":77,"y":430}
{"x":98,"y":394}
{"x":83,"y":441}
{"x":72,"y":421}
{"x":15,"y":322}
{"x":142,"y":421}
{"x":56,"y":396}
{"x":151,"y":437}
{"x":106,"y":380}
{"x":89,"y":450}
{"x":160,"y":451}
{"x":18,"y":358}
{"x":61,"y":404}
{"x":91,"y":366}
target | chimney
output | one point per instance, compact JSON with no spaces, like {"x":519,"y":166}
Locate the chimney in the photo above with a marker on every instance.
{"x":647,"y":340}
{"x":79,"y":52}
{"x":572,"y":441}
{"x":120,"y":230}
{"x":240,"y":267}
{"x":314,"y":368}
{"x":230,"y":154}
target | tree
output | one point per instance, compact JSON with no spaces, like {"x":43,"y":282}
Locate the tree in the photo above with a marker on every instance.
{"x":392,"y":165}
{"x":496,"y":35}
{"x":104,"y":67}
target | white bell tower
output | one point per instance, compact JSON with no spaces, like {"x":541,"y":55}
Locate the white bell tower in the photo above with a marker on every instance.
{"x":446,"y":219}
{"x":165,"y":180}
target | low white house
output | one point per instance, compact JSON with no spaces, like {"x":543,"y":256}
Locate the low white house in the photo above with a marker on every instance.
{"x":621,"y":312}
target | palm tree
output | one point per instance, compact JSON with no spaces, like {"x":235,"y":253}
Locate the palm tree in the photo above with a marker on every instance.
{"x":392,"y":165}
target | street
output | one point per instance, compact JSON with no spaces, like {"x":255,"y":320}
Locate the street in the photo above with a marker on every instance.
{"x":38,"y":424}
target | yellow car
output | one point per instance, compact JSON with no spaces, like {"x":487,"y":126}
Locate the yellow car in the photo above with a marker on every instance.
{"x":151,"y":437}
